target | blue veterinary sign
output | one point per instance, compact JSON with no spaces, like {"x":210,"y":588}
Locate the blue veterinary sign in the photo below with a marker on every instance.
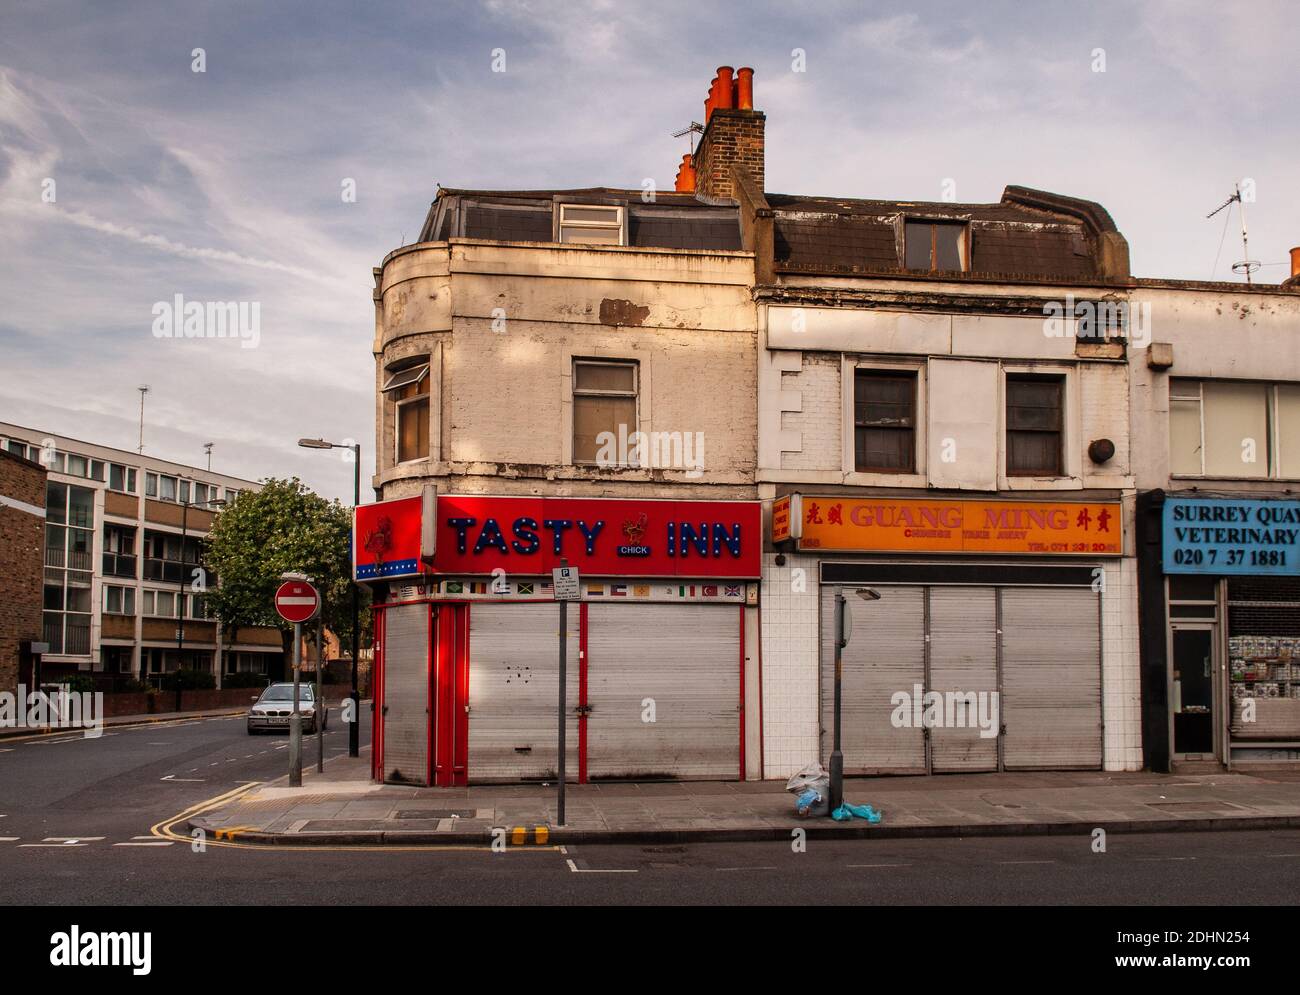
{"x":1230,"y":536}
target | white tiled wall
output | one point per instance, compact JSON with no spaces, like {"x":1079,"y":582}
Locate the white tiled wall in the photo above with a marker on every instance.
{"x":789,"y":632}
{"x":1121,"y":701}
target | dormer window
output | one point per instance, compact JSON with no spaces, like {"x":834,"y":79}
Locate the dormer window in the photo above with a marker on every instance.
{"x":931,"y":246}
{"x":592,"y":223}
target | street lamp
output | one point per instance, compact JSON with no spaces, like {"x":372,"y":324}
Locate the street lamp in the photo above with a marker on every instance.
{"x":186,"y":504}
{"x":843,"y":630}
{"x":354,"y":727}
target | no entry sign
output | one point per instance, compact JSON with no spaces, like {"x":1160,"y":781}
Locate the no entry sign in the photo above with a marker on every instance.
{"x":297,"y":601}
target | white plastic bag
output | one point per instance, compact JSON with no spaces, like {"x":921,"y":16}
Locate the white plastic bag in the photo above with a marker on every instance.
{"x":812,"y":776}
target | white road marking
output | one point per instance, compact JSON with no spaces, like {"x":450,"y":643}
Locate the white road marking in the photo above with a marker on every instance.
{"x":9,"y":839}
{"x":154,"y":843}
{"x":1153,"y":859}
{"x":586,"y":870}
{"x":52,"y":844}
{"x":7,"y":749}
{"x":187,"y":780}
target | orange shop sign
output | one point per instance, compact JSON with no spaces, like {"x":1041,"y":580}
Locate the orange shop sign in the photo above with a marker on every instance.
{"x":904,"y":525}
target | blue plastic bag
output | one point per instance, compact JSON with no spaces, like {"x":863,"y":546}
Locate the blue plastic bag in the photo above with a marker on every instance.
{"x":811,"y":802}
{"x":847,"y":811}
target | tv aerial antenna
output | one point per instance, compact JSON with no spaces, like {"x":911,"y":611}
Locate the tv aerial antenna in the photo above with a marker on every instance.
{"x":695,"y":129}
{"x":1247,"y":266}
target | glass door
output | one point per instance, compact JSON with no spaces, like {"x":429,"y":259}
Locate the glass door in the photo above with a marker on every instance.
{"x":1193,"y":690}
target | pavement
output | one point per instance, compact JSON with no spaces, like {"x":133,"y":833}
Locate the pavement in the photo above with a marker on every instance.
{"x":342,"y":807}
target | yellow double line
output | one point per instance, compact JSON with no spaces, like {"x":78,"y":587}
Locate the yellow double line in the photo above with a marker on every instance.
{"x":227,"y":836}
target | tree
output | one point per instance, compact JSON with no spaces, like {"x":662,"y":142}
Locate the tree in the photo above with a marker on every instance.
{"x":283,"y":527}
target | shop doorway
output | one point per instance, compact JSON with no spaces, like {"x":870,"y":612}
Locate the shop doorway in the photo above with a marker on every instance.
{"x":1194,"y":667}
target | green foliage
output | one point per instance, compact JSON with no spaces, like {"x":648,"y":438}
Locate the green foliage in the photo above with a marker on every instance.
{"x":263,"y":534}
{"x":188,"y":680}
{"x":77,"y":683}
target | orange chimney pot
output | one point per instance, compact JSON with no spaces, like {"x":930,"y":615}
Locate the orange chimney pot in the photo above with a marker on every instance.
{"x":745,"y":88}
{"x":685,"y":176}
{"x":1295,"y":261}
{"x":724,"y":91}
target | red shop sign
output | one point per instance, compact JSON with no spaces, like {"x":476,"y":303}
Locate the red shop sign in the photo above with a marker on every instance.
{"x":602,"y":537}
{"x":393,"y":538}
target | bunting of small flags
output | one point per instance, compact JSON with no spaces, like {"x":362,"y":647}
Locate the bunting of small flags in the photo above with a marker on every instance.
{"x":618,"y":590}
{"x":525,"y":587}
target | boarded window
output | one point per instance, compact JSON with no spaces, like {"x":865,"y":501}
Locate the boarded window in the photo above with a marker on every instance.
{"x":604,"y":400}
{"x":1034,"y":425}
{"x":884,"y":421}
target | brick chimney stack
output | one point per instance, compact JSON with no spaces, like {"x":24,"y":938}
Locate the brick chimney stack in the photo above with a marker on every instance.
{"x":733,"y":137}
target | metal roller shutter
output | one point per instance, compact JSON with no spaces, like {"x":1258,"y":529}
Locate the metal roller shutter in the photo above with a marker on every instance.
{"x":1051,"y":678}
{"x":514,"y":673}
{"x":686,"y":659}
{"x":886,"y":655}
{"x":406,"y":693}
{"x":963,"y":659}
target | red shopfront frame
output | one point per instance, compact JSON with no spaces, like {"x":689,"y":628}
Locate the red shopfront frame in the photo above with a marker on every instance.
{"x":449,"y":656}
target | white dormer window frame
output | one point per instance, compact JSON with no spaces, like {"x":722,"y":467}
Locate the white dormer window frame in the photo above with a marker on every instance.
{"x":573,"y":221}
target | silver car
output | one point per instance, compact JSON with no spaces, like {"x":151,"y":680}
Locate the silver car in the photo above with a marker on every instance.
{"x":273,"y":709}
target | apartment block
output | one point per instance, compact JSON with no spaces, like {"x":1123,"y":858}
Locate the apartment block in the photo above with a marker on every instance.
{"x":123,"y":591}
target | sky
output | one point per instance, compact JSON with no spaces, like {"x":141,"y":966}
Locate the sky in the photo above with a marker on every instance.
{"x":128,"y":178}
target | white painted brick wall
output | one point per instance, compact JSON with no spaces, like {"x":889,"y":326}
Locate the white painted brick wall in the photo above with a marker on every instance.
{"x":819,"y":421}
{"x":1103,"y":400}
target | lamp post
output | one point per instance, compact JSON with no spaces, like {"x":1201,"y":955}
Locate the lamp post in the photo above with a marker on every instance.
{"x":180,"y":598}
{"x":354,"y":727}
{"x":843,"y":630}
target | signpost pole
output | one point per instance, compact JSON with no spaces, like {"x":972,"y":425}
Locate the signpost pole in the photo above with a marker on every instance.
{"x":564,"y":645}
{"x":295,"y":721}
{"x":837,"y":756}
{"x":320,"y":702}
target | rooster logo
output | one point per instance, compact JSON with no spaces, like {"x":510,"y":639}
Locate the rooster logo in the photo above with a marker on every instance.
{"x":379,"y":541}
{"x":634,"y":530}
